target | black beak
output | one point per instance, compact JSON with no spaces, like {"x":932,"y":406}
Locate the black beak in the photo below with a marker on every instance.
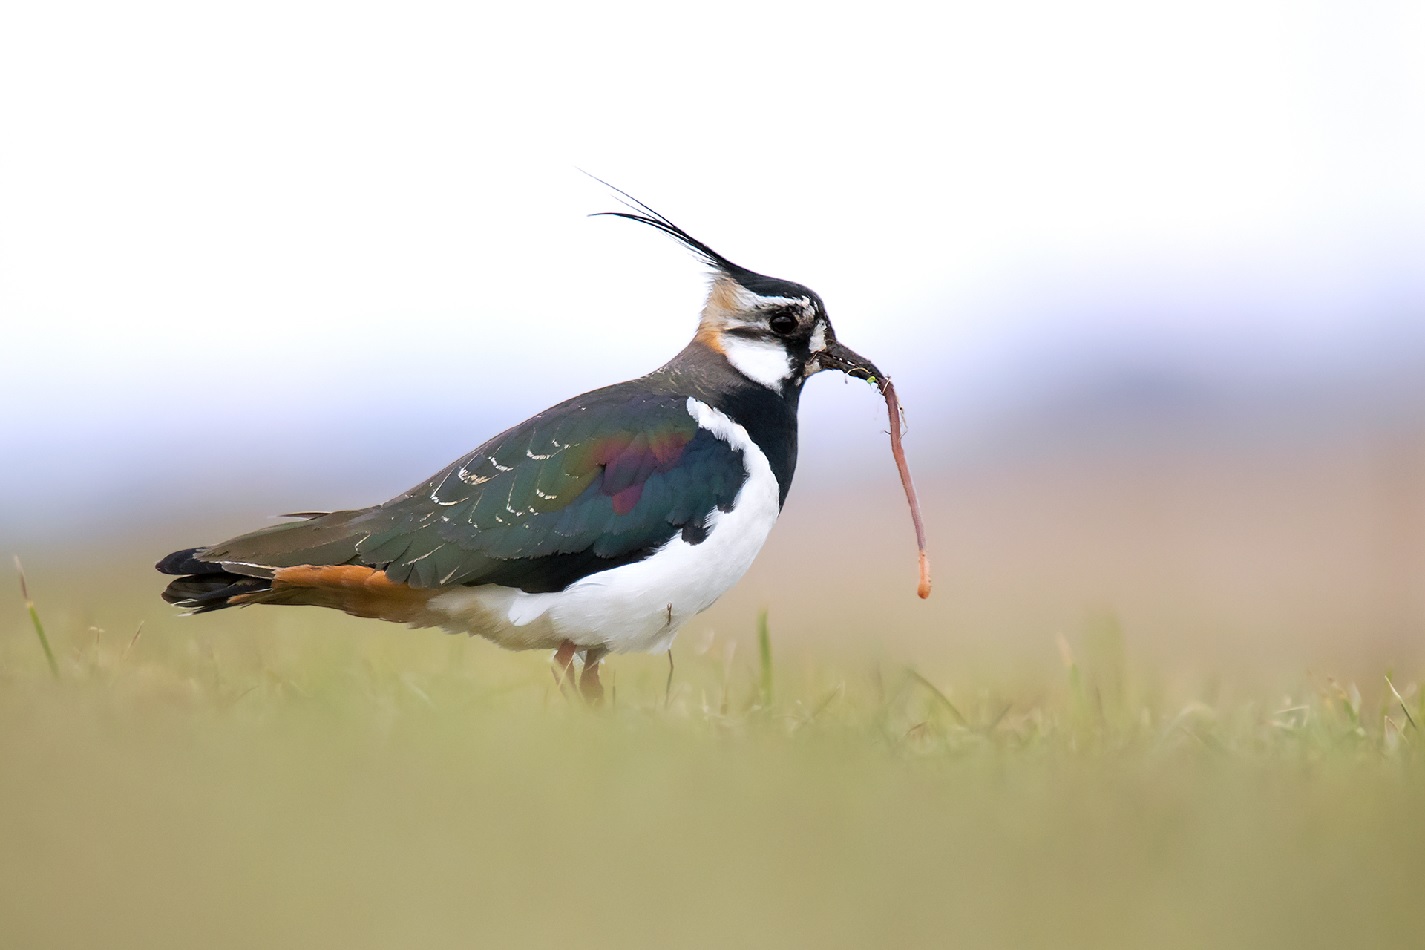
{"x":836,"y":356}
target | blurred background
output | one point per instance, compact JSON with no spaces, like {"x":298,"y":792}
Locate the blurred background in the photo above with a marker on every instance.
{"x":1148,"y":278}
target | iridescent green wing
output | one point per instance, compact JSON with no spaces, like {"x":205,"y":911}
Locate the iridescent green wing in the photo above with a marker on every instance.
{"x":599,"y":481}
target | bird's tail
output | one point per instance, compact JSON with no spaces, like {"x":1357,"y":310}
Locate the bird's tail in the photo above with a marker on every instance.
{"x":302,"y":563}
{"x":203,"y":586}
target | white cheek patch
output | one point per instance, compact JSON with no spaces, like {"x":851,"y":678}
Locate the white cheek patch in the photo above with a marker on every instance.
{"x":818,"y":338}
{"x":762,"y":361}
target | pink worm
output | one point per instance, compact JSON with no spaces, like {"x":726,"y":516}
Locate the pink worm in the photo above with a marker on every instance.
{"x":893,"y":409}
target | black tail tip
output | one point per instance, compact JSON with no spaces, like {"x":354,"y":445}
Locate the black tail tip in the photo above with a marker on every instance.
{"x":187,"y":562}
{"x":203,"y":586}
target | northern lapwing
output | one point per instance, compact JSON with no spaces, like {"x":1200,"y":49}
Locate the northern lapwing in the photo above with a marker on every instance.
{"x":602,"y":524}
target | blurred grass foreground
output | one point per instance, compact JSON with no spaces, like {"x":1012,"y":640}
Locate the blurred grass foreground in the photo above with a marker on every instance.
{"x":302,"y":780}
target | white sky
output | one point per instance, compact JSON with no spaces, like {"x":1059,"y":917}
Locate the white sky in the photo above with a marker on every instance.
{"x":362,"y":208}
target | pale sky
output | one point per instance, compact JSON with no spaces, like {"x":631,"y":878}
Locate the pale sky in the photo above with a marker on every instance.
{"x":286,"y":216}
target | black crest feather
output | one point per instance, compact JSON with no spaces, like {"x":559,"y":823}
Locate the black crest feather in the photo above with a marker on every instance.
{"x":640,"y":212}
{"x":753,"y":281}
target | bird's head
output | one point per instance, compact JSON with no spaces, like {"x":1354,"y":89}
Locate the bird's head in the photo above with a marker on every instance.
{"x":775,"y":332}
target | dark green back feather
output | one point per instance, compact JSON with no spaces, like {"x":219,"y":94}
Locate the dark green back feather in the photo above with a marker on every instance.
{"x":600,"y":480}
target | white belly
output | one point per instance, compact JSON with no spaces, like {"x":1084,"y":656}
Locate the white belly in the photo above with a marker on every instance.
{"x":638,"y":606}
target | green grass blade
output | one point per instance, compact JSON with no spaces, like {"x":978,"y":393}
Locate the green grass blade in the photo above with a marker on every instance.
{"x":1401,"y":700}
{"x":35,"y":620}
{"x":764,"y":653}
{"x":942,"y":698}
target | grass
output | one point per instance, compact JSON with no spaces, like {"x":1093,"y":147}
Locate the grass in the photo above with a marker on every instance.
{"x":35,"y":620}
{"x":293,"y":779}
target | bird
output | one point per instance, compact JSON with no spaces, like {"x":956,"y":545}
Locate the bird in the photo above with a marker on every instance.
{"x":600,"y":525}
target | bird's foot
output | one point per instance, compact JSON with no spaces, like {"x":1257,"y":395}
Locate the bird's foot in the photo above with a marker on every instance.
{"x":590,"y":688}
{"x":563,"y":669}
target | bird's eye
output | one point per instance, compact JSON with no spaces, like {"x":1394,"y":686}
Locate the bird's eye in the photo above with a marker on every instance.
{"x":782,"y":323}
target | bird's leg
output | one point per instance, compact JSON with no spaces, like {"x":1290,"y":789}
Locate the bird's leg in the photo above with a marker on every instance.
{"x":589,"y":686}
{"x":564,"y":664}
